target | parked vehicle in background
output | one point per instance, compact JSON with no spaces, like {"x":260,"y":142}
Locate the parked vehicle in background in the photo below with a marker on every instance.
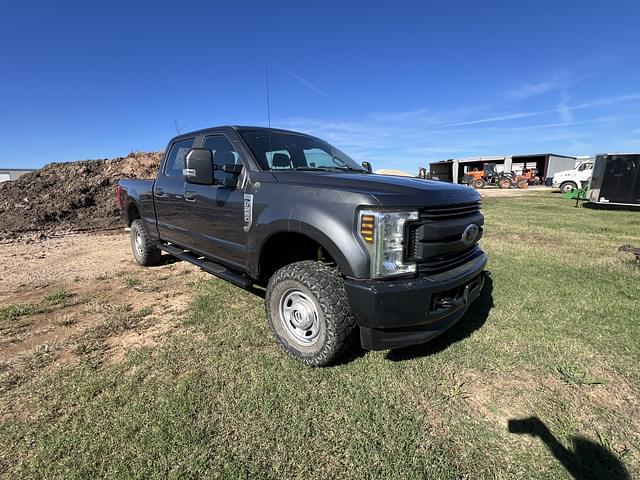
{"x":616,"y":180}
{"x":567,"y":180}
{"x":339,"y":250}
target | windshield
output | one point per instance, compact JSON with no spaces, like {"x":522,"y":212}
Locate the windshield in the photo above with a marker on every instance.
{"x":280,"y":151}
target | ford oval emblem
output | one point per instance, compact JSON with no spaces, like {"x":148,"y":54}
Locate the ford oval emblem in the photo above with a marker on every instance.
{"x":470,"y":234}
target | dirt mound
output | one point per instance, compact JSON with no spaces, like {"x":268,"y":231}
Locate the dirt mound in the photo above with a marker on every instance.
{"x":69,"y":196}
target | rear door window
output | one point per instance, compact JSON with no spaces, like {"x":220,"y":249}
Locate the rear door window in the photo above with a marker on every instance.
{"x":176,"y":161}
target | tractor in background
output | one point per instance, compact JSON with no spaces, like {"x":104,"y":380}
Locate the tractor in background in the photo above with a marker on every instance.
{"x":489,"y":175}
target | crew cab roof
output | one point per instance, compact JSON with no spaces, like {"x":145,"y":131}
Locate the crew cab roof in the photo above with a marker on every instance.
{"x":232,"y":127}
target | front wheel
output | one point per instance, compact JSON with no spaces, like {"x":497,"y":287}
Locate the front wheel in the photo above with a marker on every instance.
{"x":309,"y":314}
{"x":567,"y":187}
{"x":479,"y":183}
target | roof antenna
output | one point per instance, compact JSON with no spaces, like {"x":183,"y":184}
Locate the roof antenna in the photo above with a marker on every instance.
{"x":266,"y":69}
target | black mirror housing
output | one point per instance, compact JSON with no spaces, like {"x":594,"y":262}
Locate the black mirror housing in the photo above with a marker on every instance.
{"x":367,"y":167}
{"x":199,"y":166}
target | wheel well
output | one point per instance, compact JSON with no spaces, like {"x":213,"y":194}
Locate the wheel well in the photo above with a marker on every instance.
{"x":288,"y":247}
{"x":132,"y":213}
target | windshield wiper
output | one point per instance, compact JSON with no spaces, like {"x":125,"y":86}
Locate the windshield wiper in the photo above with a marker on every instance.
{"x":349,"y":169}
{"x":329,"y":169}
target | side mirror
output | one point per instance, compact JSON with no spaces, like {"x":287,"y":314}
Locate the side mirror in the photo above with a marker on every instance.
{"x":367,"y":167}
{"x":199,"y":166}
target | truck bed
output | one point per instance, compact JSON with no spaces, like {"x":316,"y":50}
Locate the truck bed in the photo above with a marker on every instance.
{"x":142,"y":192}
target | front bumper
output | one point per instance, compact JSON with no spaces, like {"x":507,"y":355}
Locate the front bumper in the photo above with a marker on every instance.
{"x":403,"y":312}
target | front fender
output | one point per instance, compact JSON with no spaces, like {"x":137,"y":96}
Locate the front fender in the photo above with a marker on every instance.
{"x":335,"y":237}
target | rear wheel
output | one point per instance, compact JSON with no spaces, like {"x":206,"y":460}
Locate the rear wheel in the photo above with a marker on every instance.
{"x":309,"y":314}
{"x":522,"y":184}
{"x":479,"y":183}
{"x":568,"y":186}
{"x":143,"y":245}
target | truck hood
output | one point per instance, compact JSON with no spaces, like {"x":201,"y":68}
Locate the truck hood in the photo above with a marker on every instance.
{"x":564,"y":173}
{"x":388,"y":190}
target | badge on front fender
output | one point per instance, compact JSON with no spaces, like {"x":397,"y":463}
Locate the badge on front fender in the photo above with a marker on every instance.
{"x":248,"y":211}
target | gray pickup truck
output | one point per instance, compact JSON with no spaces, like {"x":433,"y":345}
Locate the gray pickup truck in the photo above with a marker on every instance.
{"x":343,"y":254}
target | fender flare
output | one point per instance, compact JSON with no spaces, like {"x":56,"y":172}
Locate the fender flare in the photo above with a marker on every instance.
{"x":261,"y":237}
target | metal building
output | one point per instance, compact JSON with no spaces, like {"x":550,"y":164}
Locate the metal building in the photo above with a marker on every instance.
{"x":546,"y":164}
{"x":8,"y":174}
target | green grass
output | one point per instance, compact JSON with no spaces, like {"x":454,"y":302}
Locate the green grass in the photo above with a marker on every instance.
{"x":555,"y":338}
{"x":131,"y":282}
{"x":16,"y":310}
{"x":58,"y":297}
{"x":11,"y":314}
{"x":118,"y":319}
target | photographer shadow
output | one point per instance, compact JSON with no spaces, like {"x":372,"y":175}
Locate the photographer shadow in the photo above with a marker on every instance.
{"x":585,"y":461}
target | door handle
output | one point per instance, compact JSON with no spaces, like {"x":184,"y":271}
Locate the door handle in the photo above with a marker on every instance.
{"x":159,"y":193}
{"x":190,"y":196}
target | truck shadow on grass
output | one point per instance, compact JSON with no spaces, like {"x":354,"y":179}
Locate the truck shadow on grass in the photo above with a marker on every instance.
{"x":586,"y":460}
{"x":166,"y":259}
{"x":475,"y":317}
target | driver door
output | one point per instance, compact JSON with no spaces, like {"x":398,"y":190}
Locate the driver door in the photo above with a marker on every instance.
{"x":216,"y":212}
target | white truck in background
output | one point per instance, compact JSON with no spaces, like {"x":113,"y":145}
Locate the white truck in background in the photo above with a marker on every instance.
{"x":567,"y":180}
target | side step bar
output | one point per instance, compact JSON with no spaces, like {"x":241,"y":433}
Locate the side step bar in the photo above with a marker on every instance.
{"x":216,"y":269}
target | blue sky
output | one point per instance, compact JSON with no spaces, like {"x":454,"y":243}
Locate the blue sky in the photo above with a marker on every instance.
{"x":395,"y":83}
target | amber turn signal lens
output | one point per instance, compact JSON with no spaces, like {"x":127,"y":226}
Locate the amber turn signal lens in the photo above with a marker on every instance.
{"x":367,"y":227}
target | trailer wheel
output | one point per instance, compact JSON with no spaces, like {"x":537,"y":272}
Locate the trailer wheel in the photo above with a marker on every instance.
{"x":143,"y":245}
{"x":309,"y":314}
{"x":479,"y":183}
{"x":568,"y":186}
{"x":504,"y":183}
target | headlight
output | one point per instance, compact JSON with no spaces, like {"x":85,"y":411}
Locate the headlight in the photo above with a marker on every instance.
{"x":383,"y":234}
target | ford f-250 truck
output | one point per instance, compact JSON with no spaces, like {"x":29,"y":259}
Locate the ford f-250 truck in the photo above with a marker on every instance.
{"x":340,"y":251}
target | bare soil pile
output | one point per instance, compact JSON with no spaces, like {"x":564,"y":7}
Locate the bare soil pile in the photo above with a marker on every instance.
{"x":73,"y":196}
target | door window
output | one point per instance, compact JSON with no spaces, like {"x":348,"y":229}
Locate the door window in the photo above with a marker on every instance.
{"x":177,"y":160}
{"x":223,"y":154}
{"x":585,"y":166}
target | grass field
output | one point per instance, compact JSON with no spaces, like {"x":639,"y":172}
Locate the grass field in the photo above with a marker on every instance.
{"x":541,"y":380}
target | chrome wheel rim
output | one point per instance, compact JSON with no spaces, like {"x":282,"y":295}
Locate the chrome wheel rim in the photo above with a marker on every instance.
{"x":139,"y":244}
{"x":299,"y":317}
